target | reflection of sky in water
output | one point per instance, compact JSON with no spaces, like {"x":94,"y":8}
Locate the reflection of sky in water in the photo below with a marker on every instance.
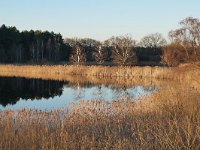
{"x":83,"y":93}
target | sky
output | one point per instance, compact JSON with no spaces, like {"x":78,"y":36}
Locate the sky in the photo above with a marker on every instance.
{"x":98,"y":19}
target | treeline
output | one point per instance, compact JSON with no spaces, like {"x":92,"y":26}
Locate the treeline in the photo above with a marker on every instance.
{"x":30,"y":46}
{"x":49,"y":47}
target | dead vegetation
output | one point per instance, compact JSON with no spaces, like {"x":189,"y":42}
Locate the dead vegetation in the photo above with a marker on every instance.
{"x":59,"y":71}
{"x":105,"y":74}
{"x":169,"y":119}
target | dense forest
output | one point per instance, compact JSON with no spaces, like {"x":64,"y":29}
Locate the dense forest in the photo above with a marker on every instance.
{"x":44,"y":47}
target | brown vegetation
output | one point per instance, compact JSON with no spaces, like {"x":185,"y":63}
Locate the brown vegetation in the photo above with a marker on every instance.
{"x":166,"y":120}
{"x":173,"y":55}
{"x":101,"y":74}
{"x":169,"y":119}
{"x":100,"y":71}
{"x":185,"y":45}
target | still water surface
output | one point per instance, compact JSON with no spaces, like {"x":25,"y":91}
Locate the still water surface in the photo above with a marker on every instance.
{"x":17,"y":93}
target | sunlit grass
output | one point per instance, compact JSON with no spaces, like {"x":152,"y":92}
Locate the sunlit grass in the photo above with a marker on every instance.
{"x":59,"y":71}
{"x":105,"y":74}
{"x":169,"y":119}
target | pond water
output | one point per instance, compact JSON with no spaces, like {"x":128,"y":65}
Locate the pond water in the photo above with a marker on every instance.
{"x":17,"y":93}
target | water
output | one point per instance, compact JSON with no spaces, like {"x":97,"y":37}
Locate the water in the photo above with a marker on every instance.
{"x":17,"y":93}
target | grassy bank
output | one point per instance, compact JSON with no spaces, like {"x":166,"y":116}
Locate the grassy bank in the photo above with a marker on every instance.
{"x":101,"y":71}
{"x":101,"y":74}
{"x":58,"y":72}
{"x":166,"y":120}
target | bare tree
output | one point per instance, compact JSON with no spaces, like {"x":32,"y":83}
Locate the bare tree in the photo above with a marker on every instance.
{"x":110,"y":42}
{"x":155,"y":40}
{"x":99,"y":54}
{"x":78,"y":55}
{"x":188,"y":36}
{"x":88,"y":44}
{"x":123,"y":51}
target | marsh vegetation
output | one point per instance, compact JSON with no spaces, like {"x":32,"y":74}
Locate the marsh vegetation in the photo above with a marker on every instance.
{"x":168,"y":118}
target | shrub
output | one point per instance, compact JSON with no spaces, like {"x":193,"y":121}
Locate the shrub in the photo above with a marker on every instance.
{"x":173,"y":55}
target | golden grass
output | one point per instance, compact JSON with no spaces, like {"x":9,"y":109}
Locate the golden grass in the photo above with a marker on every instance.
{"x":169,"y":119}
{"x":104,"y":74}
{"x":59,"y":71}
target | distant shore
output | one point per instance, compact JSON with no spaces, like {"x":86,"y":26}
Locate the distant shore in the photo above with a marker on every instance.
{"x":60,"y":71}
{"x":187,"y":73}
{"x":42,"y":71}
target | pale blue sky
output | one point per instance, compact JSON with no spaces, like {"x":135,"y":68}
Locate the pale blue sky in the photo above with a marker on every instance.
{"x":98,"y":19}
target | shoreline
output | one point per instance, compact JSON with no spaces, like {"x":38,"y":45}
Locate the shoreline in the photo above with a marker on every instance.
{"x":189,"y":73}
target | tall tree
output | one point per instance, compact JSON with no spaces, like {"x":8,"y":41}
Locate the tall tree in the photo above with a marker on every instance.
{"x":123,"y":50}
{"x":155,"y":40}
{"x":99,"y":54}
{"x":188,"y":35}
{"x":29,"y":46}
{"x":78,"y":55}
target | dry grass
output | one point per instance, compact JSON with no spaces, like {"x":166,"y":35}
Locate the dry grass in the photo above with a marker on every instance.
{"x":104,"y":74}
{"x":59,"y":71}
{"x":169,"y":119}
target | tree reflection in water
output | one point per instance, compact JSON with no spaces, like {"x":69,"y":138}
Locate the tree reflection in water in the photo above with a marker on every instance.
{"x":98,"y":93}
{"x":128,"y":93}
{"x":13,"y":89}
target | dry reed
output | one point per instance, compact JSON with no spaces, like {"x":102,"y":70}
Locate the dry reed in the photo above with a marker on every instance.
{"x":60,"y":71}
{"x":169,"y":119}
{"x":104,"y":74}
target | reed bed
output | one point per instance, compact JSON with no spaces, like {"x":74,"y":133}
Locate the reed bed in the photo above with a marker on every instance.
{"x":59,"y":71}
{"x":169,"y":119}
{"x":105,"y":74}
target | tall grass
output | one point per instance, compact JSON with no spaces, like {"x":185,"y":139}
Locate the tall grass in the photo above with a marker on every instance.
{"x":169,"y":119}
{"x":104,"y":74}
{"x":102,"y":71}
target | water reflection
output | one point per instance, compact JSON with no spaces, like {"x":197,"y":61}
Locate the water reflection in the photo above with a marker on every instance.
{"x":17,"y":93}
{"x":12,"y":89}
